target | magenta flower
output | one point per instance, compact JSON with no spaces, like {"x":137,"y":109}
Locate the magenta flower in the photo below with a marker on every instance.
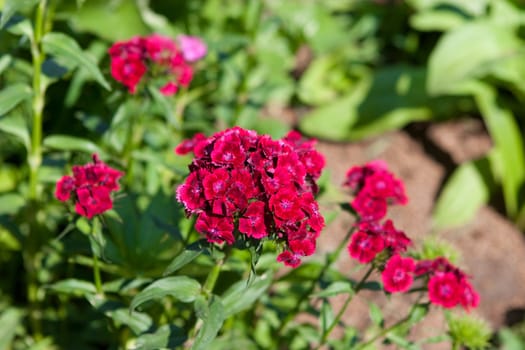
{"x":152,"y":58}
{"x":364,"y":247}
{"x":444,"y":290}
{"x":397,"y":275}
{"x":90,"y":187}
{"x":193,"y":48}
{"x":259,"y":186}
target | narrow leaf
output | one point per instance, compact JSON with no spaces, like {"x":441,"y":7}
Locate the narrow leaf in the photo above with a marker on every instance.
{"x":182,"y":288}
{"x":211,"y":325}
{"x":15,"y":125}
{"x":12,"y":95}
{"x":73,"y":287}
{"x":166,"y":337}
{"x":71,"y":143}
{"x":66,"y":50}
{"x":241,"y":295}
{"x":188,"y":255}
{"x":338,"y":287}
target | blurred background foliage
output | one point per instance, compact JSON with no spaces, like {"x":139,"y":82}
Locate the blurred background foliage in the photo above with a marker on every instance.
{"x":349,"y":69}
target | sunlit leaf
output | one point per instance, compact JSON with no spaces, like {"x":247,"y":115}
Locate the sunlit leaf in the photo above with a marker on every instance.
{"x":71,"y":143}
{"x":182,"y":288}
{"x":241,"y":295}
{"x":73,"y":286}
{"x":67,"y":51}
{"x":211,"y":324}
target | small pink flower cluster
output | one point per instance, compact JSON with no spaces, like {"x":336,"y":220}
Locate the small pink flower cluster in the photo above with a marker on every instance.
{"x":374,"y":188}
{"x":159,"y":56}
{"x":91,"y":186}
{"x":244,"y":183}
{"x":448,"y":286}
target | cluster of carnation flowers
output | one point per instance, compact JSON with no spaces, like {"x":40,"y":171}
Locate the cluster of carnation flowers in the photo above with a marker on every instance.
{"x":89,"y":188}
{"x":374,"y":187}
{"x":158,"y":58}
{"x":248,"y":186}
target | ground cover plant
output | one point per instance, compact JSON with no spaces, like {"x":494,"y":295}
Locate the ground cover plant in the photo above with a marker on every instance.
{"x":145,"y":203}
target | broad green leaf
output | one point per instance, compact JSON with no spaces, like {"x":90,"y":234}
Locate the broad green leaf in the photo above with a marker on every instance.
{"x":71,"y":143}
{"x":166,"y":337}
{"x":73,"y":286}
{"x":468,"y":7}
{"x":182,"y":288}
{"x":15,"y":125}
{"x":12,"y":6}
{"x":463,"y":194}
{"x":509,"y":146}
{"x":67,"y":51}
{"x":452,"y":62}
{"x":336,"y":288}
{"x":12,"y":95}
{"x":186,"y":256}
{"x":110,"y":20}
{"x":241,"y":295}
{"x":10,"y":203}
{"x":211,"y":324}
{"x":138,"y":322}
{"x":437,"y":19}
{"x":389,"y":99}
{"x":10,"y":320}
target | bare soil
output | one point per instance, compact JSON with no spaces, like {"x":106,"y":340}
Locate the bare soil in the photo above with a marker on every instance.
{"x":492,"y":249}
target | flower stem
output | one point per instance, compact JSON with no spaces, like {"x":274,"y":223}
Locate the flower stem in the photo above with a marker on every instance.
{"x":34,"y":158}
{"x":330,"y":260}
{"x":337,"y":318}
{"x":391,"y":328}
{"x":96,"y":274}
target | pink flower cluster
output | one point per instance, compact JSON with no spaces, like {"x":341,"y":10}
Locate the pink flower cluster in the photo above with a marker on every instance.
{"x":244,"y":183}
{"x":158,"y":57}
{"x":375,"y":188}
{"x":90,"y":187}
{"x":448,"y":286}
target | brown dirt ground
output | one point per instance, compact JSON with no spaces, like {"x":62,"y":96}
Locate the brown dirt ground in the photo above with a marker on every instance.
{"x":492,"y":249}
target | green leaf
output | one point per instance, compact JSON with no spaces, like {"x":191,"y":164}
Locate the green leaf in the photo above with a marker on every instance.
{"x":336,"y":288}
{"x":389,"y":99}
{"x":166,"y":337}
{"x":186,"y":256}
{"x":241,"y":295}
{"x":211,"y":324}
{"x":508,"y":141}
{"x":71,"y":143}
{"x":110,"y":20}
{"x":66,"y":50}
{"x":13,"y":6}
{"x":452,"y":63}
{"x":73,"y":287}
{"x":12,"y":95}
{"x":326,"y":316}
{"x":463,"y":194}
{"x":10,"y":320}
{"x":376,"y":315}
{"x":15,"y":125}
{"x":10,"y":203}
{"x":182,"y":288}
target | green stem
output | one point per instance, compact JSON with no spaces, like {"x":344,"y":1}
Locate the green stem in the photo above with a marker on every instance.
{"x":211,"y":280}
{"x":32,"y":295}
{"x":330,"y":260}
{"x":391,"y":328}
{"x":96,"y":268}
{"x":133,"y":137}
{"x":96,"y":274}
{"x":35,"y":154}
{"x":337,"y":318}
